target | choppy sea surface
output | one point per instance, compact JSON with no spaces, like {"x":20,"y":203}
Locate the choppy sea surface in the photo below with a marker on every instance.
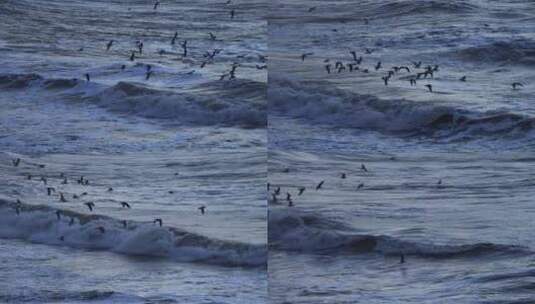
{"x":438,"y":176}
{"x":443,"y":179}
{"x":161,"y":133}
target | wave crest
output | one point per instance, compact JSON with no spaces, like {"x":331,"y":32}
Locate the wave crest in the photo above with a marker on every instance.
{"x":239,"y":103}
{"x":18,"y":81}
{"x":289,"y":230}
{"x":333,"y":106}
{"x":38,"y":223}
{"x":400,"y":8}
{"x":510,"y":52}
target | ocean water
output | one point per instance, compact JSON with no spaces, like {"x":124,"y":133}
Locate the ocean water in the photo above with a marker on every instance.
{"x":377,"y":193}
{"x":448,"y":180}
{"x":165,"y":145}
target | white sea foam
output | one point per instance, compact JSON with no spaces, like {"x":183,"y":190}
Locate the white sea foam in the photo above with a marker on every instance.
{"x":39,"y":224}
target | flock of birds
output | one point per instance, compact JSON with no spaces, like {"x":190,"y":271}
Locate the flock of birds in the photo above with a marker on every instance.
{"x":419,"y":71}
{"x":61,"y":196}
{"x":301,"y":189}
{"x":208,"y":57}
{"x":355,"y":64}
{"x":276,"y":191}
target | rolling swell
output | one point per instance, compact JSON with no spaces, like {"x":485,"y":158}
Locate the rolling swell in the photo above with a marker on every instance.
{"x":18,"y":81}
{"x":38,"y":223}
{"x":239,"y":103}
{"x":518,"y":52}
{"x":344,"y":11}
{"x":407,"y":8}
{"x":323,"y":104}
{"x":291,"y":230}
{"x":50,"y":296}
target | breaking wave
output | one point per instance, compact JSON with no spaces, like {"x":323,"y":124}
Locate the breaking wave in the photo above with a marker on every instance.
{"x":339,"y":108}
{"x":39,"y":224}
{"x":238,"y":103}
